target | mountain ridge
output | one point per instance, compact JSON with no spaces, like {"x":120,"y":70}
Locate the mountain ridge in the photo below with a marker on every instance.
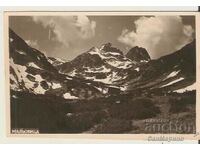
{"x":99,"y":70}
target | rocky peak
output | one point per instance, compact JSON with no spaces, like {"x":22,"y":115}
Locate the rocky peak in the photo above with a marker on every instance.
{"x":109,"y":48}
{"x":138,"y":54}
{"x":23,"y":54}
{"x":106,"y":45}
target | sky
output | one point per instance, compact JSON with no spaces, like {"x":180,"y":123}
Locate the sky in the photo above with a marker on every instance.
{"x":69,"y":36}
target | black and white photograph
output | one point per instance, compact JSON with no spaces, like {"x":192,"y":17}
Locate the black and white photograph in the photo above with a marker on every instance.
{"x":90,"y":73}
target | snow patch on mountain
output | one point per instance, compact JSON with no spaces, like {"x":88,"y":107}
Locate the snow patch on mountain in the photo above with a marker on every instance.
{"x":69,"y":96}
{"x":73,"y":73}
{"x":56,"y":85}
{"x":20,"y":52}
{"x":11,"y":39}
{"x":123,"y":88}
{"x":105,"y":80}
{"x":14,"y":96}
{"x":173,"y":74}
{"x":96,"y":51}
{"x":113,"y":53}
{"x":14,"y":85}
{"x":60,"y":60}
{"x":137,"y":69}
{"x":174,"y":81}
{"x":32,"y":64}
{"x":18,"y":69}
{"x":69,"y":78}
{"x":38,"y":58}
{"x":144,"y":61}
{"x":21,"y":74}
{"x":188,"y":88}
{"x":112,"y":59}
{"x":50,"y":61}
{"x":120,"y":64}
{"x":39,"y":89}
{"x":101,"y":69}
{"x":112,"y":77}
{"x":103,"y":90}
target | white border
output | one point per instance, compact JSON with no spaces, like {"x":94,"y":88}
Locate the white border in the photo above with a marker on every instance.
{"x":46,"y":140}
{"x":100,"y":3}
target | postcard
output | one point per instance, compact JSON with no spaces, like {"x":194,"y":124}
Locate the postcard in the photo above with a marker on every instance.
{"x":102,"y":75}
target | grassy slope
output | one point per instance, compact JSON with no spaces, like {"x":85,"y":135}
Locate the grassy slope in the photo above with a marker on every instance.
{"x":116,"y":114}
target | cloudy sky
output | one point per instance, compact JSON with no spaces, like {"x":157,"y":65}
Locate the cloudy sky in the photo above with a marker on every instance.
{"x":68,"y":36}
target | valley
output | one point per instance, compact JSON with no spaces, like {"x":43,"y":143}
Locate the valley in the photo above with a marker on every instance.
{"x":102,"y":90}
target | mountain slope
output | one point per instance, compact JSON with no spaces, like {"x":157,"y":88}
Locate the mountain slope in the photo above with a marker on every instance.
{"x":30,"y":71}
{"x":168,"y":73}
{"x":55,"y":61}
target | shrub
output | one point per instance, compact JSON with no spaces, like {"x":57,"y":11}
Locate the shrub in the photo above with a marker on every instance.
{"x":180,"y":105}
{"x":83,"y":121}
{"x":136,"y":109}
{"x":114,"y":126}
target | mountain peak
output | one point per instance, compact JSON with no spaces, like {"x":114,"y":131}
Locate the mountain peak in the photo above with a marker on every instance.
{"x":107,"y":47}
{"x":138,"y":54}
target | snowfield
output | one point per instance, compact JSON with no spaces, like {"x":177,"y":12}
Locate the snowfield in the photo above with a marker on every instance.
{"x":112,"y":60}
{"x":21,"y":76}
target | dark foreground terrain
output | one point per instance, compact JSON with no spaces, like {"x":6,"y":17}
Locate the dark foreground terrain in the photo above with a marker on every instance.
{"x":115,"y":114}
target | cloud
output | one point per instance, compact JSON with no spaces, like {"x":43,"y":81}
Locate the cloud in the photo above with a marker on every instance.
{"x":68,"y":29}
{"x":160,"y":35}
{"x":32,"y":43}
{"x":87,"y":27}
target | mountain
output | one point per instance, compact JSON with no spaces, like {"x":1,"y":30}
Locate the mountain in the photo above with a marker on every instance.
{"x":28,"y":66}
{"x":106,"y":64}
{"x":31,"y":71}
{"x":175,"y":72}
{"x":138,"y":54}
{"x":100,"y":71}
{"x":135,"y":71}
